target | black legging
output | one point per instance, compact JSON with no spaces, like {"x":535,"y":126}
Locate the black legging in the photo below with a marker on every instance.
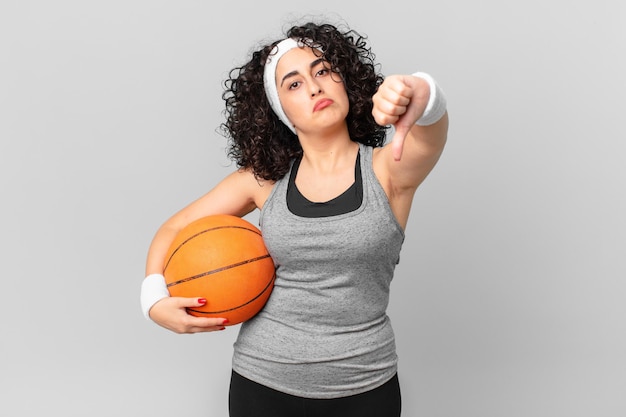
{"x":250,"y":399}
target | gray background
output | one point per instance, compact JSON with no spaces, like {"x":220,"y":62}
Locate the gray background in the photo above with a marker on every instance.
{"x":509,"y":299}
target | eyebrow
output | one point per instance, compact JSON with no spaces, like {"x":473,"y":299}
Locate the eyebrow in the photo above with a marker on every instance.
{"x":293,"y":73}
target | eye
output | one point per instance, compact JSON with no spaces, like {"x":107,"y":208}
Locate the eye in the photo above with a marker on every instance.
{"x":322,"y":71}
{"x":294,"y":85}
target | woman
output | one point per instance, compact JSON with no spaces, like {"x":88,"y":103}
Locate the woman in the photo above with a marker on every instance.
{"x":307,"y":120}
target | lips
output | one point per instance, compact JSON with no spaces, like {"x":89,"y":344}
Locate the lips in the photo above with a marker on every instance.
{"x":322,"y":104}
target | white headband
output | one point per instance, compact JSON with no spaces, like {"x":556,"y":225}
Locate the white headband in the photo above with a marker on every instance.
{"x":269,"y":77}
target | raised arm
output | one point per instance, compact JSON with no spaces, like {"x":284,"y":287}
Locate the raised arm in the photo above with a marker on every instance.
{"x":416,"y":107}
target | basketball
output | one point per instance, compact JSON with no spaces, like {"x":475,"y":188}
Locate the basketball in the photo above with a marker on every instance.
{"x":223,"y":259}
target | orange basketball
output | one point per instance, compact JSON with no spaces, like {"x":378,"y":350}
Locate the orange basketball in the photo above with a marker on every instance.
{"x":221,"y":258}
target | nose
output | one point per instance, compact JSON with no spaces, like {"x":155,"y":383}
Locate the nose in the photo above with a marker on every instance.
{"x":315,"y":89}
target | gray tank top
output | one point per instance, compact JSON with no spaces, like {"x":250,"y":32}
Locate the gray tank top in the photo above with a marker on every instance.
{"x":324,"y":332}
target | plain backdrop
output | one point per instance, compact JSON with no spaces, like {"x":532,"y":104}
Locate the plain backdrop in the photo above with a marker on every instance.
{"x":510,"y":296}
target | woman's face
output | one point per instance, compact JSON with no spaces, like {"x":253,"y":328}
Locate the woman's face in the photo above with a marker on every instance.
{"x":312,"y":97}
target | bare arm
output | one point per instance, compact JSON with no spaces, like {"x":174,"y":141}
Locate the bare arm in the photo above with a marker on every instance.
{"x":403,"y":164}
{"x":238,"y":194}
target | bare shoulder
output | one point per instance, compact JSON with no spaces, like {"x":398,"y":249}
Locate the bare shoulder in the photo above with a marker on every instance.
{"x":249,"y":186}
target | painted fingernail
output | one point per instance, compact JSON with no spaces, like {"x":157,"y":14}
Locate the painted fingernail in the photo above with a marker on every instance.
{"x":201,"y":300}
{"x":225,"y":321}
{"x":223,"y":328}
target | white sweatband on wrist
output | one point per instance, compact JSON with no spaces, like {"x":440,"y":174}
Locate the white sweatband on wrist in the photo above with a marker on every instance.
{"x":436,"y":107}
{"x":153,"y":289}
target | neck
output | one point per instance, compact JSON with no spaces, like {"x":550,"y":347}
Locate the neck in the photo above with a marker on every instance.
{"x":327,"y":158}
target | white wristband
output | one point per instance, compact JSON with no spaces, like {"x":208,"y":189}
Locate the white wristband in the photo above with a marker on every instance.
{"x":153,"y":289}
{"x":436,"y":107}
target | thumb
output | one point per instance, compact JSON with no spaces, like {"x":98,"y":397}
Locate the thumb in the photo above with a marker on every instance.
{"x":397,"y":142}
{"x":403,"y":126}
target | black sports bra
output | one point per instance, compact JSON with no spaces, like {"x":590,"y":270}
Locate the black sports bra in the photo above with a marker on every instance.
{"x":346,"y":202}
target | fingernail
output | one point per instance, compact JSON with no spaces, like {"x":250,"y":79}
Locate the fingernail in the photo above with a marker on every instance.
{"x":225,"y":321}
{"x":202,"y":300}
{"x":223,"y":328}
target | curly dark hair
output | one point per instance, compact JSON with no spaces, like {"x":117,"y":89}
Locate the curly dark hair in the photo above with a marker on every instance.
{"x":258,"y":140}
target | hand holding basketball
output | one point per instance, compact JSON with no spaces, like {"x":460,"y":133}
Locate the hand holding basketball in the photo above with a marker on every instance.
{"x":171,"y":313}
